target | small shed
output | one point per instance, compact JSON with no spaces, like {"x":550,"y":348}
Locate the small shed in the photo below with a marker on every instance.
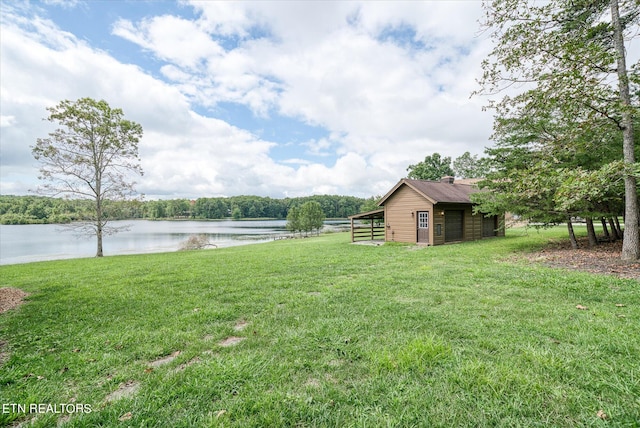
{"x":432,"y":213}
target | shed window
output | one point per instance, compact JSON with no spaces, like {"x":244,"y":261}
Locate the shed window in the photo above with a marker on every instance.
{"x":423,"y":219}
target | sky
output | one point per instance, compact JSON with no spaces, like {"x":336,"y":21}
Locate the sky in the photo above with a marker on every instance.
{"x":267,"y":98}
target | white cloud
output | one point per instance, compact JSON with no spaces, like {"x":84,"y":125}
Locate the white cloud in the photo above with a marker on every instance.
{"x":322,"y":62}
{"x":171,"y":38}
{"x":384,"y":104}
{"x":67,"y":4}
{"x":6,"y":121}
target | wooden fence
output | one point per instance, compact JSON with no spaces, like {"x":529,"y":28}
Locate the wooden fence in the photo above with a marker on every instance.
{"x":367,"y":232}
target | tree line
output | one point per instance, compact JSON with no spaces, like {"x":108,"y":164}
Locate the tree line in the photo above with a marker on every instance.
{"x":41,"y":209}
{"x":566,"y":126}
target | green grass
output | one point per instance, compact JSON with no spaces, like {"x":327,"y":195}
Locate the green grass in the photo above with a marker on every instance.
{"x":337,"y":335}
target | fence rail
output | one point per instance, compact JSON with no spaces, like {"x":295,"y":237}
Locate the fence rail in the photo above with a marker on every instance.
{"x":367,"y":233}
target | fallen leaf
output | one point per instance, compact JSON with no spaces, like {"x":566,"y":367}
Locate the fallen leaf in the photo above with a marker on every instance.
{"x":148,"y":370}
{"x":582,"y":308}
{"x":602,"y":415}
{"x":125,"y":417}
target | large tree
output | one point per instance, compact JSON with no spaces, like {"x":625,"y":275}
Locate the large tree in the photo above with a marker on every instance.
{"x":433,"y":167}
{"x":91,"y":156}
{"x":305,"y":218}
{"x":468,"y":166}
{"x":565,"y":60}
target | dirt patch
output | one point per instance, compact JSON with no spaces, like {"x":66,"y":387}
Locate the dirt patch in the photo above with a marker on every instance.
{"x":11,"y":298}
{"x":602,"y":259}
{"x":126,"y":389}
{"x":312,"y":383}
{"x":240,"y":325}
{"x":164,"y":360}
{"x":191,"y":362}
{"x":231,"y":341}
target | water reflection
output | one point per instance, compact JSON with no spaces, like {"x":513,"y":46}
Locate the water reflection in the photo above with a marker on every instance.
{"x":27,"y":243}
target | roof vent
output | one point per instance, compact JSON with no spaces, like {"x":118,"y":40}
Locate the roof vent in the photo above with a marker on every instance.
{"x":448,"y":179}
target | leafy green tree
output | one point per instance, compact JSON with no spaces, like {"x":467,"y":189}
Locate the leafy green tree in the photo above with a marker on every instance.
{"x":211,"y":208}
{"x":306,"y":218}
{"x":156,"y":209}
{"x":569,"y":57}
{"x":294,"y":221}
{"x":91,"y":156}
{"x":467,"y":166}
{"x":311,"y":216}
{"x":433,"y":167}
{"x":370,"y":204}
{"x":236,"y":213}
{"x":178,"y":208}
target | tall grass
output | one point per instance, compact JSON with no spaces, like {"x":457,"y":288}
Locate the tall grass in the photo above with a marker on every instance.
{"x":333,"y":334}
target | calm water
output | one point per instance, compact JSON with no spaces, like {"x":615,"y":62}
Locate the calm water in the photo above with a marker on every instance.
{"x":28,"y":243}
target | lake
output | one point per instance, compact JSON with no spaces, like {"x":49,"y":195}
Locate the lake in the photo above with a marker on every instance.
{"x":36,"y":242}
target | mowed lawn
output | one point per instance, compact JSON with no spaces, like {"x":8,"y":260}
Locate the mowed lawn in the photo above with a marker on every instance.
{"x":319,"y":332}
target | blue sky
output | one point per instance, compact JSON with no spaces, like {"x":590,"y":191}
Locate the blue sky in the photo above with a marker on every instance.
{"x":265,"y":98}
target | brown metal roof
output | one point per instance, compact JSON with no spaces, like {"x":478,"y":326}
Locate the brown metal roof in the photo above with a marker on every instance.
{"x":436,"y":191}
{"x":375,"y":214}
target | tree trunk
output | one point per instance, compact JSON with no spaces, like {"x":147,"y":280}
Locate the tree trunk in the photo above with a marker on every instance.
{"x":605,"y":229}
{"x":572,"y":235}
{"x":99,"y":222}
{"x":631,"y":239}
{"x":99,"y":236}
{"x":618,"y":228}
{"x":614,"y":231}
{"x":591,"y":232}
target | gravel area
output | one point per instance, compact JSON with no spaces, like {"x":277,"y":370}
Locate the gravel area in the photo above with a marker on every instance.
{"x":10,"y":298}
{"x":603,"y":258}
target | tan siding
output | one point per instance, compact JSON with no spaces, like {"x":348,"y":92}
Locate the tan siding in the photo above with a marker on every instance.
{"x":438,"y":219}
{"x":477,"y":226}
{"x":402,"y":205}
{"x":402,"y":225}
{"x":473,"y":224}
{"x":472,"y":227}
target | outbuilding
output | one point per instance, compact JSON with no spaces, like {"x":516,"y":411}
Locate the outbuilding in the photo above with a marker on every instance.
{"x":428,"y":212}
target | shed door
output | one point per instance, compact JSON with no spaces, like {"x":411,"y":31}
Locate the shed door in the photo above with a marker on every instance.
{"x":489,"y":226}
{"x":453,"y":225}
{"x":423,"y":227}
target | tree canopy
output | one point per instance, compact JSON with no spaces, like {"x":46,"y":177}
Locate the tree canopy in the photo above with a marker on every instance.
{"x":307,"y":218}
{"x":91,"y":156}
{"x":433,"y":167}
{"x":565,"y":121}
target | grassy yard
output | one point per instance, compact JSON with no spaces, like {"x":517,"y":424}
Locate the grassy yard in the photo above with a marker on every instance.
{"x":319,"y":332}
